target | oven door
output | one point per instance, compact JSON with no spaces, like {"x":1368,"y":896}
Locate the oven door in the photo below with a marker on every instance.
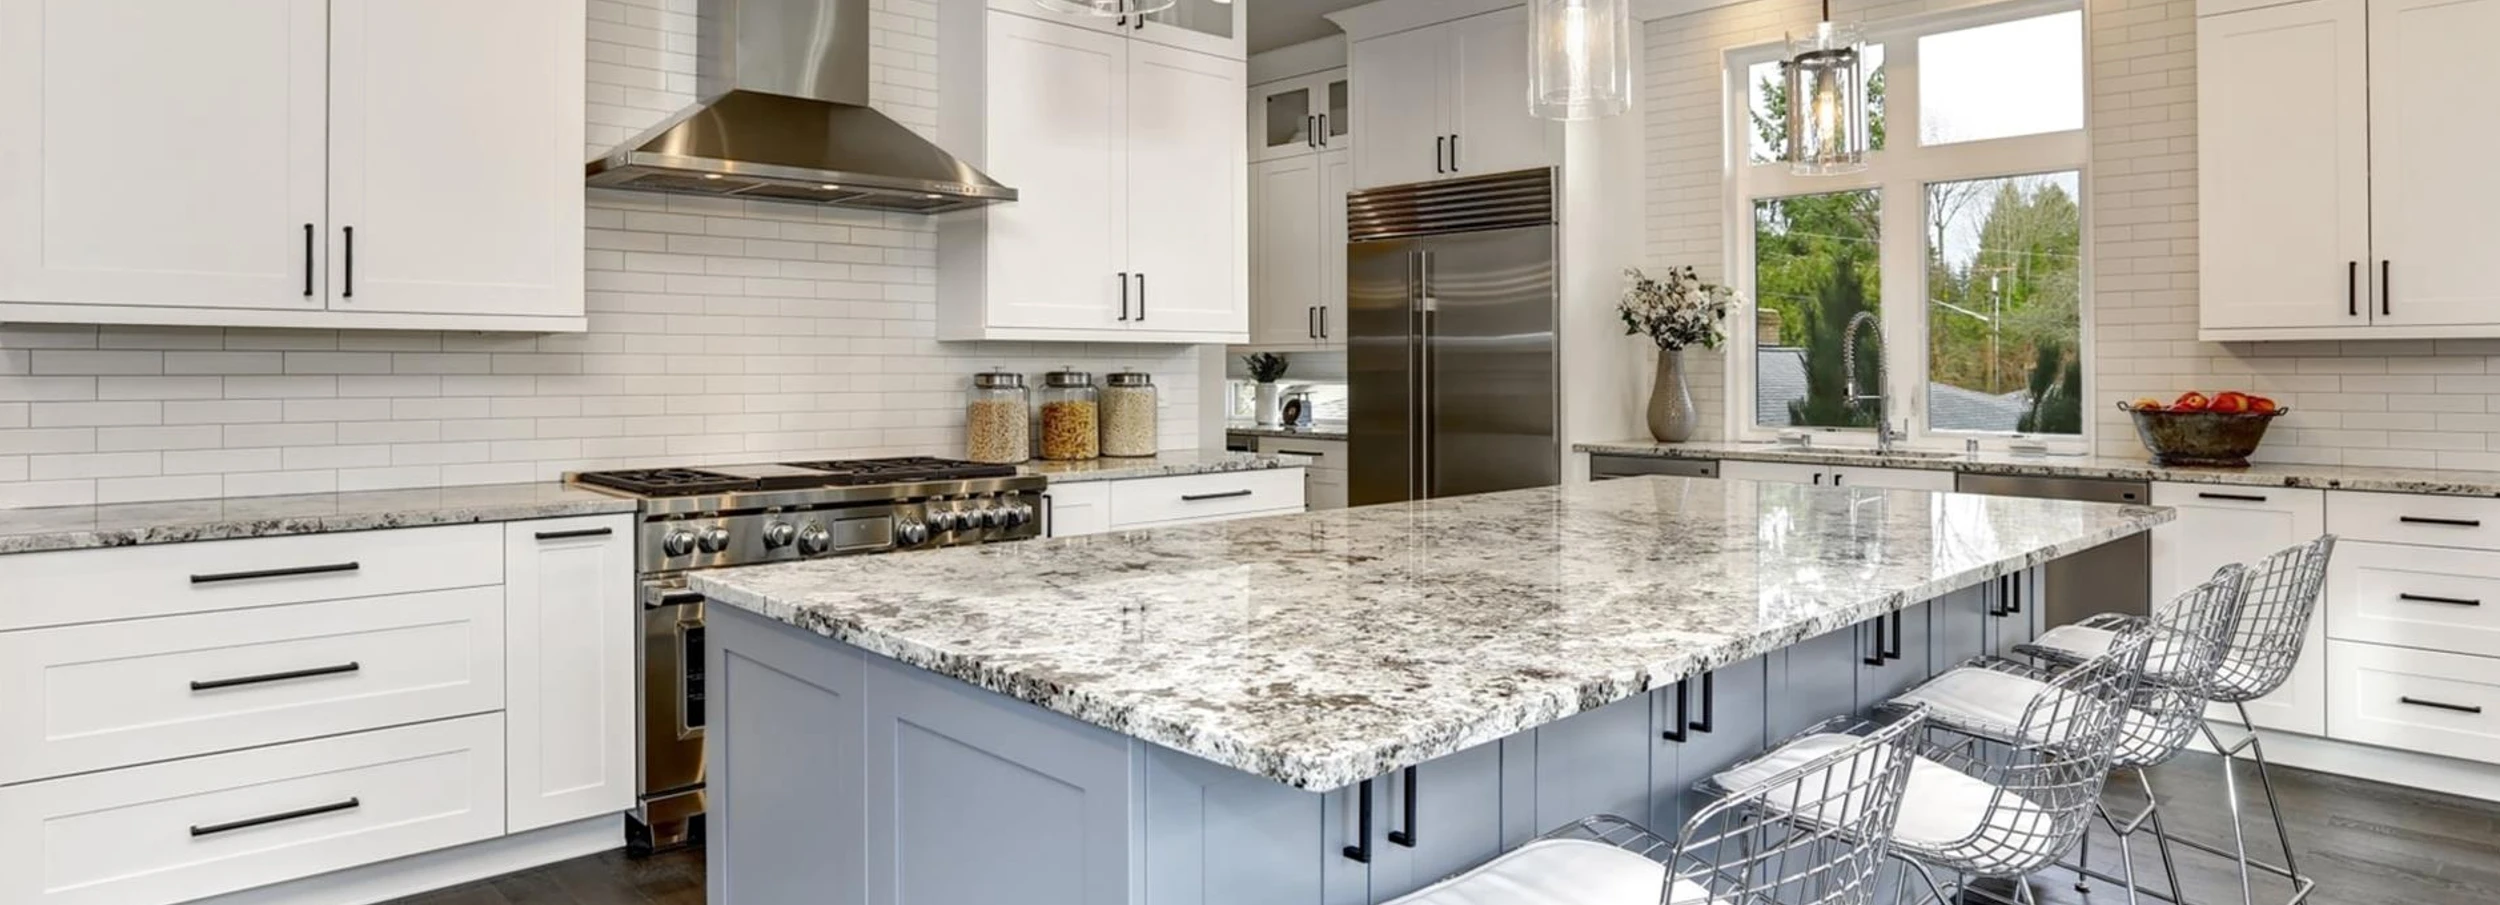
{"x":672,"y":712}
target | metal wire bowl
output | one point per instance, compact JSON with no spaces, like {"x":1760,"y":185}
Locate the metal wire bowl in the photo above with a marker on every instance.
{"x":2212,"y":439}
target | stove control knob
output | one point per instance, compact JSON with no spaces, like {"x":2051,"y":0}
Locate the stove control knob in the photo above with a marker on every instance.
{"x":1015,"y":515}
{"x":713,"y":539}
{"x":980,"y":516}
{"x":813,"y":539}
{"x":678,"y":543}
{"x":779,"y":534}
{"x":944,"y":520}
{"x":911,"y":532}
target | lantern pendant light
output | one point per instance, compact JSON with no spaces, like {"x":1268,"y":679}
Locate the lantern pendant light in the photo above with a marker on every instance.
{"x":1580,"y":59}
{"x":1827,"y":127}
{"x":1105,"y":8}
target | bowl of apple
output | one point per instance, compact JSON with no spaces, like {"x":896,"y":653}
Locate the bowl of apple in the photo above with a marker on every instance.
{"x":2195,"y":429}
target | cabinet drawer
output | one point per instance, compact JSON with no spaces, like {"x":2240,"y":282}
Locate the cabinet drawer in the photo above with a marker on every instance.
{"x":1326,"y":455}
{"x":2425,"y":597}
{"x":91,"y":697}
{"x":1205,"y":497}
{"x":2433,"y":703}
{"x":190,"y":829}
{"x":2397,"y":518}
{"x":74,"y":586}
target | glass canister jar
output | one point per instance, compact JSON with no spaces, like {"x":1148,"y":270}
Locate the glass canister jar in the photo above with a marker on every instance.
{"x":998,"y":420}
{"x":1071,"y":416}
{"x":1128,"y":414}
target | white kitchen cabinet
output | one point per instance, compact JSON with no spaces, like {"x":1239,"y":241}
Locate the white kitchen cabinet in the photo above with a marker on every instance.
{"x":1838,"y":476}
{"x":1325,"y":488}
{"x":1448,"y":100}
{"x":570,"y":622}
{"x":1301,"y":116}
{"x":1076,"y":510}
{"x":1129,"y":160}
{"x":1200,"y":498}
{"x":201,"y":163}
{"x":1297,"y":251}
{"x":2219,"y":525}
{"x":2331,"y":205}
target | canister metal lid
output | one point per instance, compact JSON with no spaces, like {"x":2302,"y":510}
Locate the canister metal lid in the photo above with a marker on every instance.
{"x":1131,"y":379}
{"x":998,"y":380}
{"x":1068,"y":378}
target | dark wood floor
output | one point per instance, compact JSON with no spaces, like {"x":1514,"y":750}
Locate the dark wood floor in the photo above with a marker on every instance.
{"x":2367,"y":844}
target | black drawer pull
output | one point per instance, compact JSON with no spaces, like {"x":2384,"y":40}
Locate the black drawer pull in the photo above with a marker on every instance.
{"x":2442,"y":522}
{"x":2442,"y":705}
{"x":2233,"y":497}
{"x":1203,"y":497}
{"x":1303,"y":452}
{"x":299,"y":814}
{"x":2429,"y":598}
{"x":1685,"y":725}
{"x":1709,"y":703}
{"x":1406,"y":837}
{"x":571,"y":535}
{"x":256,"y":574}
{"x":1361,"y":851}
{"x":308,"y":260}
{"x":265,"y":678}
{"x":349,"y":291}
{"x":1876,"y":657}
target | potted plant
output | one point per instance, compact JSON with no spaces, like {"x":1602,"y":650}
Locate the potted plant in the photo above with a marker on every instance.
{"x":1675,"y":312}
{"x":1266,"y":368}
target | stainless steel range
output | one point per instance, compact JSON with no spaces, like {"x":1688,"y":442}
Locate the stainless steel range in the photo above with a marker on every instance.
{"x":715,"y":517}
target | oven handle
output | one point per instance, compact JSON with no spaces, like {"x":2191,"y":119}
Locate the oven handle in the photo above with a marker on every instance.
{"x":673,"y":598}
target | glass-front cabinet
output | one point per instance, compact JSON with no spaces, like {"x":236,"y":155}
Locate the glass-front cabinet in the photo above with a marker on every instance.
{"x":1206,"y":26}
{"x":1301,"y":115}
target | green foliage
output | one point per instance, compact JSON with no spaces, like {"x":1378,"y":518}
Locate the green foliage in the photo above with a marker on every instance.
{"x":2056,"y":392}
{"x":1825,"y":326}
{"x":1265,"y":367}
{"x":1812,"y":252}
{"x":1771,"y":122}
{"x":2021,"y":293}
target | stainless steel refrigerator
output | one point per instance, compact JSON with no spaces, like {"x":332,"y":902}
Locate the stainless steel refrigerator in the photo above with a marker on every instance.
{"x":1451,"y":295}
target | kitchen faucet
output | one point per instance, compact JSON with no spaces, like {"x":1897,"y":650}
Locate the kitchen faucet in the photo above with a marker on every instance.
{"x":1853,"y":396}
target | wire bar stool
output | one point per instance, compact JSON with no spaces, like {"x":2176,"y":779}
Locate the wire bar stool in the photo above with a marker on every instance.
{"x":1813,"y":834}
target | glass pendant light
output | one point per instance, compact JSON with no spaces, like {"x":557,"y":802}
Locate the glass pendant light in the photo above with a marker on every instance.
{"x":1580,"y":58}
{"x":1105,"y":8}
{"x":1827,"y":129}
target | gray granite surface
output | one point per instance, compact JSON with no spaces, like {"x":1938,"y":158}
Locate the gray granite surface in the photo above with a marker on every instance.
{"x":1324,"y":648}
{"x":1319,"y":430}
{"x":132,"y":524}
{"x":2264,"y":474}
{"x":1168,"y":463}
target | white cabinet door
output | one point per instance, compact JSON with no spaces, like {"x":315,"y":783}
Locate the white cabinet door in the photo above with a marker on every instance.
{"x":570,"y":618}
{"x":1890,"y":478}
{"x":1776,"y":472}
{"x":1186,"y":202}
{"x":456,"y":156}
{"x":1399,"y":97}
{"x":1214,"y":27}
{"x":2218,"y":525}
{"x":2430,"y":218}
{"x":1490,"y":127}
{"x":1284,"y":118}
{"x":1287,"y":251}
{"x":1076,"y":510}
{"x":1058,"y":127}
{"x":1336,"y":179}
{"x":165,"y":154}
{"x":2284,"y":175}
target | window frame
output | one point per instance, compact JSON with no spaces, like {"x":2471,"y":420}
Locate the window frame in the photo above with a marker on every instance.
{"x":1900,"y":175}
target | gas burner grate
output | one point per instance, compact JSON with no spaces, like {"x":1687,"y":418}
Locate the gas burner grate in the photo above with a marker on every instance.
{"x":903,"y":470}
{"x":668,"y":481}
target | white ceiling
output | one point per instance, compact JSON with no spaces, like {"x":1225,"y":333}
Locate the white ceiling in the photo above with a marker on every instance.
{"x":1278,"y":23}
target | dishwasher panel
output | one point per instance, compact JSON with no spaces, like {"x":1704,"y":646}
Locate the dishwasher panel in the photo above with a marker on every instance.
{"x":2116,"y":577}
{"x":1603,"y":467}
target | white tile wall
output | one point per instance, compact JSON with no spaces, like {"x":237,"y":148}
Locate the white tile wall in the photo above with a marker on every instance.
{"x":720,"y":331}
{"x":2399,"y":403}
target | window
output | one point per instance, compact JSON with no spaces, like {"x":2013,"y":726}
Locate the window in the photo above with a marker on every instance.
{"x":1973,"y":226}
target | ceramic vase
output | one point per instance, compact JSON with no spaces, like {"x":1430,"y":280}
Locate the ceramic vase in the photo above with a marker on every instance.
{"x":1671,"y":415}
{"x":1270,"y":413}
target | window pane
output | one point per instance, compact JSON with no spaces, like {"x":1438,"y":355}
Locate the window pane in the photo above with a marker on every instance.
{"x":1816,"y":266}
{"x":2022,"y":77}
{"x":1766,"y":94}
{"x":2003,"y":324}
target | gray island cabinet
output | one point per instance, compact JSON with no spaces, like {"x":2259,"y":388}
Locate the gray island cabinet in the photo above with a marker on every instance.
{"x":1334,"y":708}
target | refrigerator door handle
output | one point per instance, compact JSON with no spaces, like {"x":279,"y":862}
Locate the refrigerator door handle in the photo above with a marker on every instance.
{"x":1426,"y":409}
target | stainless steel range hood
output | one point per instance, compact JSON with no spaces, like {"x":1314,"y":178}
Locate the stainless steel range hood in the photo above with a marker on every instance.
{"x":786,"y":117}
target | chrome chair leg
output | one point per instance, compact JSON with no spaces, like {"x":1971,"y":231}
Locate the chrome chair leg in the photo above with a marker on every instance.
{"x":2274,"y":807}
{"x":2239,"y":837}
{"x":2083,"y":858}
{"x":2161,"y":840}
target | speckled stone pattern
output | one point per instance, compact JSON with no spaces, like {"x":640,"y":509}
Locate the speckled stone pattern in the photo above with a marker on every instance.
{"x":1165,"y":464}
{"x":2263,"y":474}
{"x":1324,"y":648}
{"x":133,"y":524}
{"x":1322,"y":430}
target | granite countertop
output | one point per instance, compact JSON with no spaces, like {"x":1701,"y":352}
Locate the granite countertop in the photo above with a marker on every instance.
{"x":1324,"y":648}
{"x":183,"y":521}
{"x":1168,"y":463}
{"x":2263,"y":474}
{"x":1319,"y":430}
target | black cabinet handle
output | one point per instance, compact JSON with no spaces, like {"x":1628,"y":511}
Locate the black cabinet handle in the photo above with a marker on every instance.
{"x":1141,"y":297}
{"x":1141,"y":22}
{"x":2441,"y":522}
{"x":571,"y":535}
{"x":2427,"y":598}
{"x":1302,"y":452}
{"x":2386,"y":287}
{"x":1877,"y":657}
{"x":2232,"y":497}
{"x":1361,"y":851}
{"x":1453,"y":153}
{"x":1310,"y":131}
{"x":215,"y":577}
{"x":2014,"y":601}
{"x":266,"y":678}
{"x":2442,"y":705}
{"x":298,"y":814}
{"x":1323,"y":130}
{"x":1406,"y":837}
{"x":1440,"y":149}
{"x":349,"y":291}
{"x":1124,"y":296}
{"x":1203,"y":497}
{"x":2352,"y":289}
{"x":1683,"y":714}
{"x":1709,"y":703}
{"x":1685,"y":725}
{"x":308,"y":259}
{"x":1323,"y":322}
{"x":1310,"y":322}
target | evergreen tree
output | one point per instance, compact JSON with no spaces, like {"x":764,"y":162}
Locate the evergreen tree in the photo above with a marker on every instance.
{"x":2056,"y":392}
{"x":1824,"y":331}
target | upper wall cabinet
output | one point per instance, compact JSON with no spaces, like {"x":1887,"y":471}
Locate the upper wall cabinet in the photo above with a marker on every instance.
{"x":2330,"y":199}
{"x":1206,"y":26}
{"x":293,"y":163}
{"x":1302,"y":115}
{"x":1129,"y":160}
{"x":1446,"y":100}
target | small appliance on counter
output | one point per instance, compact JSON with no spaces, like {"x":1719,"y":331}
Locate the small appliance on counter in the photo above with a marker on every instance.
{"x":1299,"y":406}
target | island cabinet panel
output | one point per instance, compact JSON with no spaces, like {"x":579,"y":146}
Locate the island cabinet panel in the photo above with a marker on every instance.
{"x":1598,"y":762}
{"x":2218,"y":525}
{"x":1812,"y":681}
{"x":1723,"y":725}
{"x":1959,"y":626}
{"x":1213,"y":835}
{"x":1457,"y":821}
{"x":788,"y":806}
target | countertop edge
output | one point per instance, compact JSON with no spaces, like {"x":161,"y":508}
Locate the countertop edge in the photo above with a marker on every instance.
{"x":1142,"y":468}
{"x":2286,"y":475}
{"x":245,"y":527}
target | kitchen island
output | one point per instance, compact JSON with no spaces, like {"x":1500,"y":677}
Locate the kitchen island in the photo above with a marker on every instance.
{"x":1334,"y":707}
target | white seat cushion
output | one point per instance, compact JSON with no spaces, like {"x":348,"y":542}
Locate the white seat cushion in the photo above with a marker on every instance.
{"x":1972,"y":697}
{"x":1560,"y":872}
{"x":1943,"y":812}
{"x":2077,"y":641}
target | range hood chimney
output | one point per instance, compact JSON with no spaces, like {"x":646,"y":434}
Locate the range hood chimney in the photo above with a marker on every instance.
{"x":785,"y":117}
